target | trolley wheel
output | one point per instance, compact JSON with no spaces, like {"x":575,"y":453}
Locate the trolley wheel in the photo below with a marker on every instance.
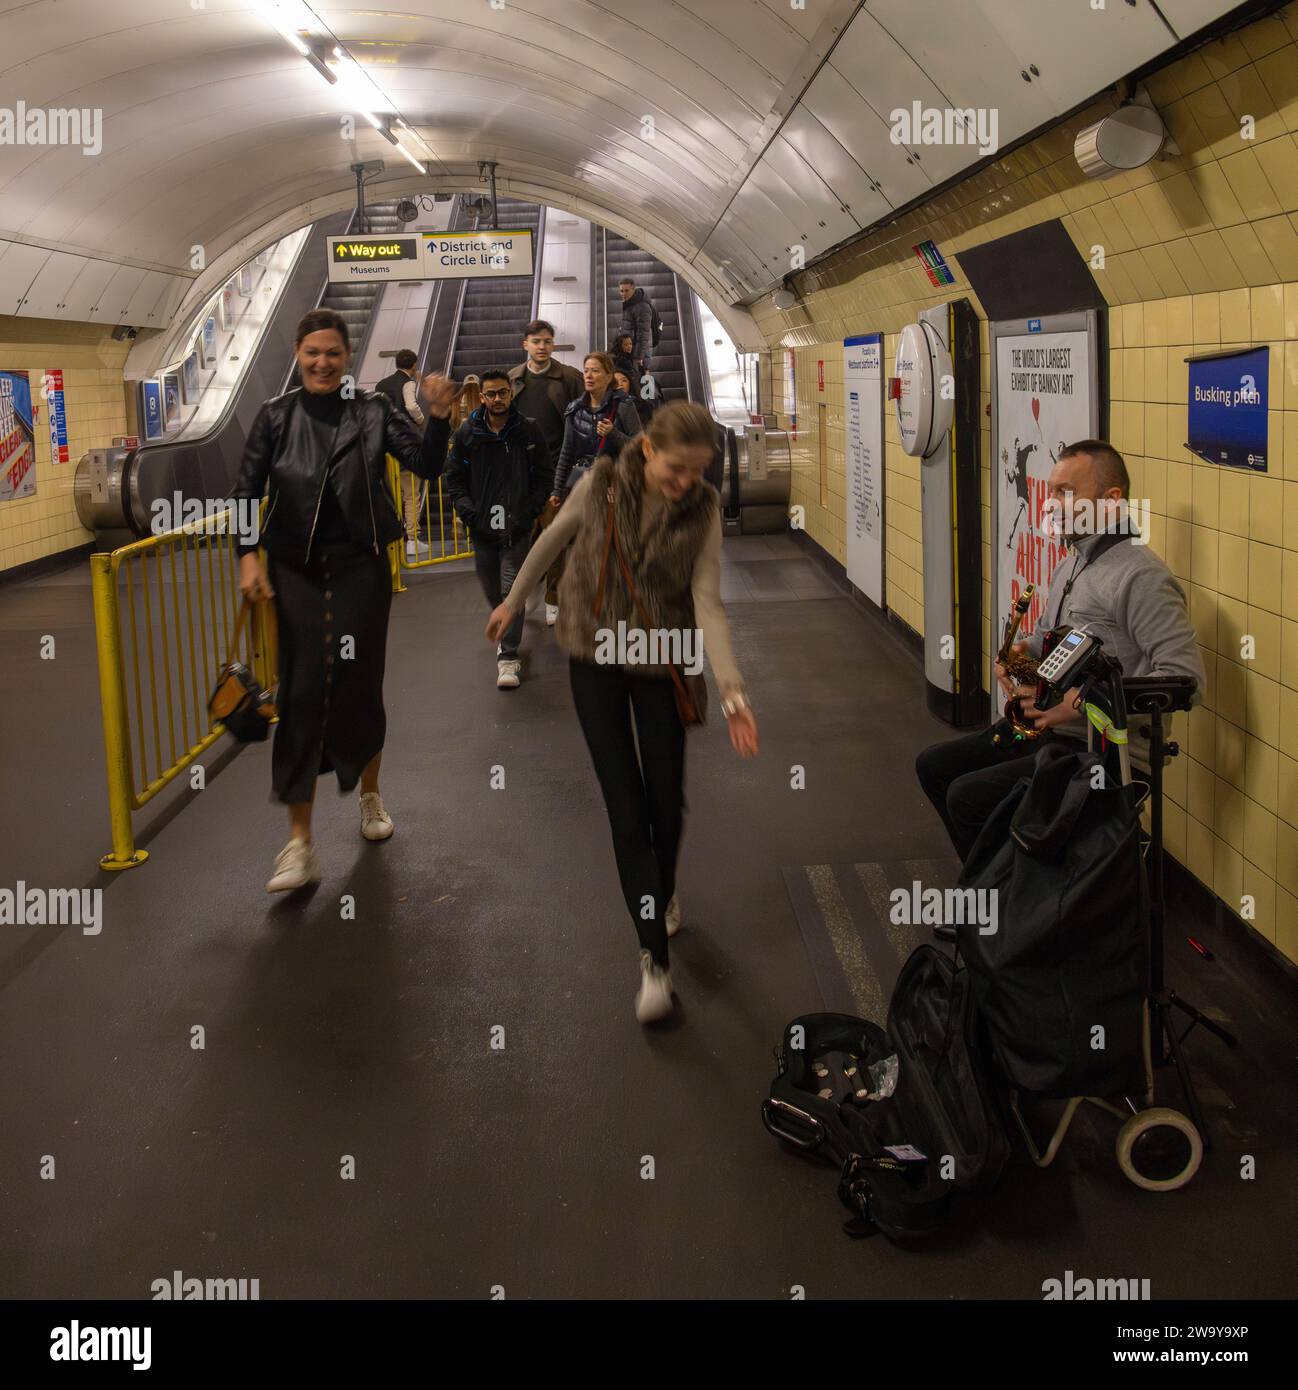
{"x":1159,"y":1149}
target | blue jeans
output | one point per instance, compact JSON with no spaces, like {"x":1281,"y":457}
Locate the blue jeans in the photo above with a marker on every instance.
{"x":497,"y":570}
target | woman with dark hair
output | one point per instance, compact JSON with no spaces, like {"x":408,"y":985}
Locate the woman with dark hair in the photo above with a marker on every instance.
{"x":320,"y":457}
{"x":624,"y":361}
{"x":650,"y":510}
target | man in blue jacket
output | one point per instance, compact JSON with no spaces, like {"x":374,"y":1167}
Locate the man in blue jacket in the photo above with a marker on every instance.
{"x":498,"y":477}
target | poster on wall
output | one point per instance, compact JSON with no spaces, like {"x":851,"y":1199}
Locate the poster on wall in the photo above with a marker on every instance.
{"x":225,"y":310}
{"x":209,"y":341}
{"x":58,"y":416}
{"x":1045,"y":395}
{"x":153,"y":410}
{"x":791,"y":391}
{"x":171,"y":401}
{"x":245,"y":281}
{"x":863,"y":427}
{"x":189,"y":379}
{"x":1227,"y":407}
{"x":17,"y":437}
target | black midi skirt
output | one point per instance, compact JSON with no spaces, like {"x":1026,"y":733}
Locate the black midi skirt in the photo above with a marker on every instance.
{"x":333,"y":637}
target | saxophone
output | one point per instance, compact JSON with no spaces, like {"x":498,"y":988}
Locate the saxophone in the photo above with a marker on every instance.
{"x":1021,"y":669}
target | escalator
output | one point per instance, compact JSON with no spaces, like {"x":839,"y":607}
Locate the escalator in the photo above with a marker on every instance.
{"x":494,"y":312}
{"x":116,"y":488}
{"x":624,"y":258}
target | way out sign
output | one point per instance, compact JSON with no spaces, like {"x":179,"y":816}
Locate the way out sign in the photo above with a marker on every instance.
{"x":430,"y":256}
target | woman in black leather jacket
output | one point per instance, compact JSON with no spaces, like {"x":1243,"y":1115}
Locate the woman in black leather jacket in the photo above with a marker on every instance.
{"x":321,"y":459}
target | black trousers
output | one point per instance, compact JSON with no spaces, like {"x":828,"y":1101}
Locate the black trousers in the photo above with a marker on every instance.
{"x":967,"y":778}
{"x":644,"y":794}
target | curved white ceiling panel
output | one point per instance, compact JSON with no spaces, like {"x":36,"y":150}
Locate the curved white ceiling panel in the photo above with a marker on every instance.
{"x":720,"y":133}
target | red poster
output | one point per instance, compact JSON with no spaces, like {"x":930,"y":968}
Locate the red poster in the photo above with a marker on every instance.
{"x":820,"y":375}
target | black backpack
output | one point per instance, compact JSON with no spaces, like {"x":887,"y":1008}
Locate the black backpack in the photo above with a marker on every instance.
{"x":656,"y":321}
{"x":1063,"y":857}
{"x":940,"y":1131}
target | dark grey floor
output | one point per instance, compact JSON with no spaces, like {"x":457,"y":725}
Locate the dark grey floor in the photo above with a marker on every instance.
{"x":499,"y":909}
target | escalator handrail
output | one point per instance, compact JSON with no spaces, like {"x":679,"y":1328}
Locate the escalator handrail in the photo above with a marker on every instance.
{"x":435,"y":299}
{"x":732,"y":449}
{"x":538,"y":248}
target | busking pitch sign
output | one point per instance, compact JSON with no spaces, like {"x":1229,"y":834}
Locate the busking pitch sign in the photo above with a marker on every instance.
{"x":430,"y":256}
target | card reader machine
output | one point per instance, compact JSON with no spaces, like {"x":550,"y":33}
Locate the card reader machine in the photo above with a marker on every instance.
{"x":1068,"y":658}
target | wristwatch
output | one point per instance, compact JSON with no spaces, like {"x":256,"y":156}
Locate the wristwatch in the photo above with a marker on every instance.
{"x":732,"y":704}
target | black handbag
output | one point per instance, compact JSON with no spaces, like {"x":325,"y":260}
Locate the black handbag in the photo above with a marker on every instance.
{"x":238,"y":702}
{"x":902,"y":1156}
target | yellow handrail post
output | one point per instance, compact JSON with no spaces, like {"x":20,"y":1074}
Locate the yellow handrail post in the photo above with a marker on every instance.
{"x":396,"y":549}
{"x":112,"y":698}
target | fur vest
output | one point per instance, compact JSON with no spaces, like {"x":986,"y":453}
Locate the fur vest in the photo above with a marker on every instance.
{"x":661,"y":564}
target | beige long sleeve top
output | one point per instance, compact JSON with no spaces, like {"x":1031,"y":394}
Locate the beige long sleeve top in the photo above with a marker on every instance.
{"x":705,"y":582}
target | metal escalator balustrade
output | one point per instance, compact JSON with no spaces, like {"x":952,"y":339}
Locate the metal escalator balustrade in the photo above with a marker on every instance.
{"x":495,"y":311}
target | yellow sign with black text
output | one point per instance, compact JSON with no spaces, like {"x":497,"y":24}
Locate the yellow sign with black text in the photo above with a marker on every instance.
{"x":430,"y":256}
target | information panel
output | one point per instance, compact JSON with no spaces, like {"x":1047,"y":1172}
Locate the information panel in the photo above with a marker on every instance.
{"x":430,"y":256}
{"x":863,"y":425}
{"x":1227,"y":408}
{"x":58,"y":416}
{"x":1045,"y":395}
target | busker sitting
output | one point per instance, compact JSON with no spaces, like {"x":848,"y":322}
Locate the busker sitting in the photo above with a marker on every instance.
{"x":1112,"y":585}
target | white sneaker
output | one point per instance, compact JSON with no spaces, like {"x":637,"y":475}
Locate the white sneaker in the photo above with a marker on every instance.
{"x":417,"y":550}
{"x":655,"y":998}
{"x":507,"y":674}
{"x":673,"y":916}
{"x":551,"y":614}
{"x":376,"y":824}
{"x":295,"y":867}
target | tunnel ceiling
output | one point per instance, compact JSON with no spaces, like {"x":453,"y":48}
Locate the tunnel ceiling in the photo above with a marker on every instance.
{"x":720,"y":134}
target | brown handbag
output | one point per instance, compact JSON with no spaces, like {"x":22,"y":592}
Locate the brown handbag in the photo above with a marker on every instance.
{"x":691,"y":690}
{"x":237,"y":702}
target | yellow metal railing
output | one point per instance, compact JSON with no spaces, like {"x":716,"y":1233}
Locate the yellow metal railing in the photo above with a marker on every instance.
{"x":165,"y":609}
{"x":447,"y":537}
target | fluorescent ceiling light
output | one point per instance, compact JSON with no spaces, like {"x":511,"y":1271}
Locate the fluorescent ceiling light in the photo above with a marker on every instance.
{"x":417,"y":163}
{"x":290,"y":18}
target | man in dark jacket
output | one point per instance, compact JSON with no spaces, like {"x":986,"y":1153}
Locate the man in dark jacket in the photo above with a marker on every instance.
{"x":543,"y":390}
{"x":498,"y":478}
{"x":638,"y":321}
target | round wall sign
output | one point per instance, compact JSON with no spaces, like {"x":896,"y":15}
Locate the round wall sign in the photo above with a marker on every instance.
{"x":923,"y":410}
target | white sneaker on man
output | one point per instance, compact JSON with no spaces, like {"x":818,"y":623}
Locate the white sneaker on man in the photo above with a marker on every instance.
{"x":417,"y":550}
{"x":551,"y":614}
{"x":507,"y":674}
{"x":655,"y":998}
{"x":673,"y":916}
{"x":295,"y":867}
{"x":376,"y":824}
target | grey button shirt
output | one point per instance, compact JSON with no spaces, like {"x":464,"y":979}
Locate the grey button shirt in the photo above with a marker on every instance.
{"x":1131,"y":601}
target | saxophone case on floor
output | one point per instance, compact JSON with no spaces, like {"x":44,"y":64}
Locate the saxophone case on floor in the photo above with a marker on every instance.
{"x":939,"y":1132}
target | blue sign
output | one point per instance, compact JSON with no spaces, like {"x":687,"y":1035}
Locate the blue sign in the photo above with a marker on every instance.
{"x":1034,"y":325}
{"x":1227,"y":408}
{"x":153,"y":410}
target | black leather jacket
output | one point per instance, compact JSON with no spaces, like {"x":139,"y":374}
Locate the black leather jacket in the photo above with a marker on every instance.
{"x":281,"y":459}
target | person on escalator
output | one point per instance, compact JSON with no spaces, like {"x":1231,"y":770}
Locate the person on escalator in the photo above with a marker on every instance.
{"x":401,"y":388}
{"x":624,"y":362}
{"x":543,"y":389}
{"x":637,"y":321}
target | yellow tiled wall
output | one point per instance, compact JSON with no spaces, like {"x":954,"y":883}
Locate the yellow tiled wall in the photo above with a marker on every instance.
{"x":46,"y":522}
{"x":1200,"y":253}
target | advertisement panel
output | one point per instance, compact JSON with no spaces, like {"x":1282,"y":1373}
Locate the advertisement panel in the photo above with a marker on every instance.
{"x":17,"y":437}
{"x":1045,"y":395}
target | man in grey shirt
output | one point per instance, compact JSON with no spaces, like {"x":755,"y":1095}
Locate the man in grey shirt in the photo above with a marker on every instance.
{"x":1121,"y":593}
